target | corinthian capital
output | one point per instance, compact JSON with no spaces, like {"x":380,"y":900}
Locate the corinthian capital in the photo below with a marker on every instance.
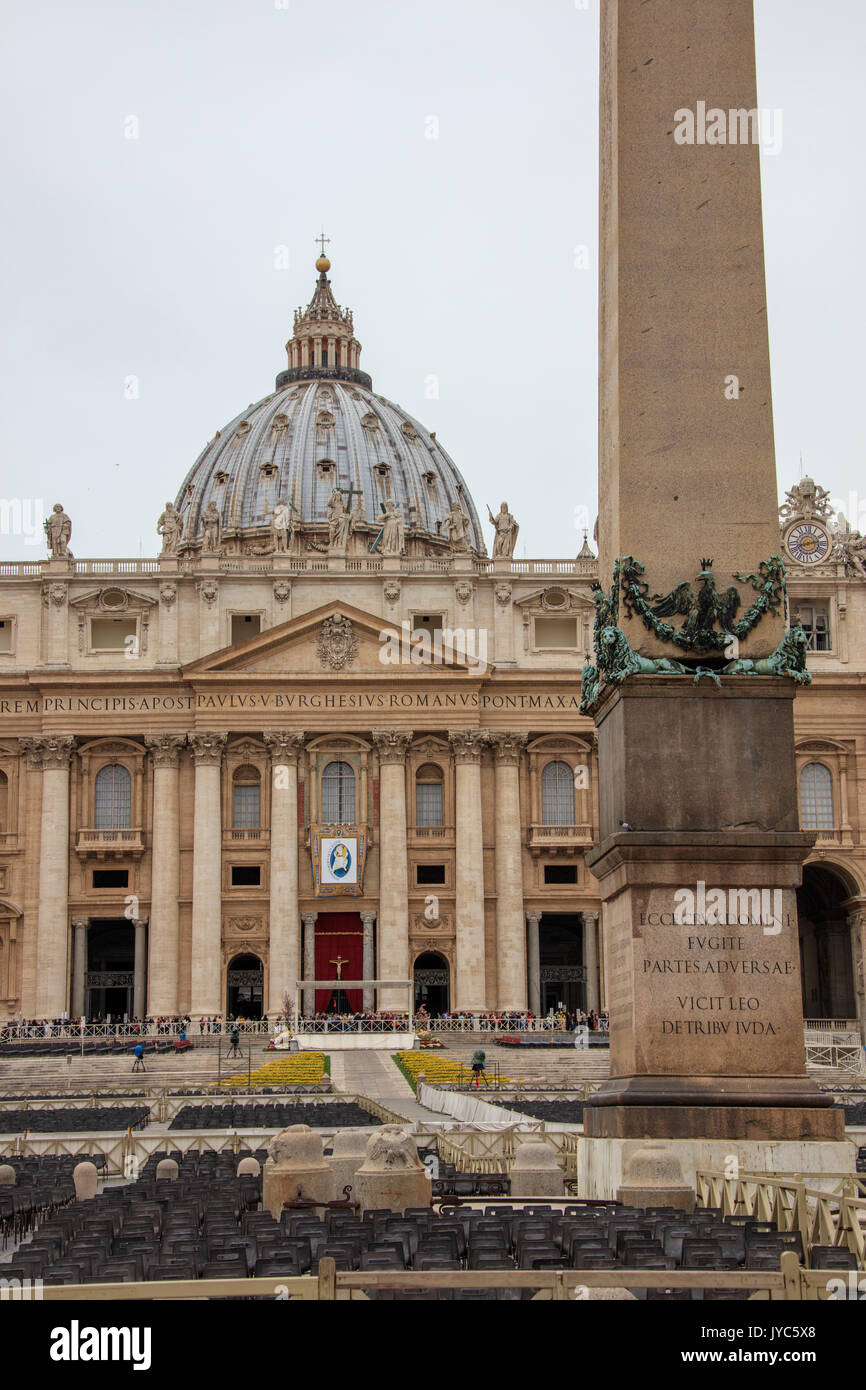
{"x":507,"y":745}
{"x":165,"y":748}
{"x":48,"y":750}
{"x":391,"y":744}
{"x":207,"y":748}
{"x":467,"y":745}
{"x":285,"y":744}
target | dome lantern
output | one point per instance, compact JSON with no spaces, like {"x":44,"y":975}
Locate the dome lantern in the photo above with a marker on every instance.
{"x":323,"y":342}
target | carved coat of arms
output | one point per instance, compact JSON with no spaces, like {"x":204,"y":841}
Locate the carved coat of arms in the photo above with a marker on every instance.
{"x":338,"y":645}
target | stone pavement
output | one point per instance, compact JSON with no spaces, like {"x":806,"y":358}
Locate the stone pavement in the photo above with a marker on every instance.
{"x":376,"y":1075}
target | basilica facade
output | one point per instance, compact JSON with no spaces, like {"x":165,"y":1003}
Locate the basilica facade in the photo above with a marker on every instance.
{"x":325,"y":735}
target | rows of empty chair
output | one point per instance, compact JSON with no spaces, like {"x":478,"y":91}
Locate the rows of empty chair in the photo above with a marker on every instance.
{"x":68,"y":1120}
{"x":150,"y":1229}
{"x":93,"y":1047}
{"x":272,"y":1115}
{"x":42,"y":1185}
{"x":208,"y":1223}
{"x":563,"y":1111}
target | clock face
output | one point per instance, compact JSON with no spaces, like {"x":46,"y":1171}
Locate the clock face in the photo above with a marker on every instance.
{"x":808,"y":543}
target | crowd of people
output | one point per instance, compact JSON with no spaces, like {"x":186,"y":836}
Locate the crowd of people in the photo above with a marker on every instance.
{"x":364,"y":1021}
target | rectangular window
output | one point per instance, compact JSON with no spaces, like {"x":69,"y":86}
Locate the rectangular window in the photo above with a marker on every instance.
{"x":426,"y":622}
{"x":560,"y":873}
{"x":113,"y":634}
{"x":556,"y":632}
{"x":428,"y":803}
{"x":5,"y":635}
{"x":246,"y":875}
{"x":430,"y":873}
{"x":247,"y":808}
{"x":111,"y":878}
{"x":815,"y":622}
{"x":245,"y":626}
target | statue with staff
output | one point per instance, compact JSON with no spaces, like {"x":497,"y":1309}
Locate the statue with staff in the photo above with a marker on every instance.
{"x":58,"y":529}
{"x":169,"y":527}
{"x":506,"y":532}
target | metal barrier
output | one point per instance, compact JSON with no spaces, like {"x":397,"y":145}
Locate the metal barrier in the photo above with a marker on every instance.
{"x":483,"y":1151}
{"x":830,"y":1217}
{"x":791,"y":1282}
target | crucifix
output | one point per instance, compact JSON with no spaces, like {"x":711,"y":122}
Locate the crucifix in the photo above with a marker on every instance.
{"x":350,"y":491}
{"x":339,"y":962}
{"x":381,"y":533}
{"x":322,"y":238}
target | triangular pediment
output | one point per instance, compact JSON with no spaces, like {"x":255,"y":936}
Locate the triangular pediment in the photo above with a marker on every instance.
{"x":336,"y":639}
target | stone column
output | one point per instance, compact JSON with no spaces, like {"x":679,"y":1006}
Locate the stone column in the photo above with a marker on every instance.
{"x":590,"y":959}
{"x":165,"y":873}
{"x":840,"y":963}
{"x":510,"y":928}
{"x":309,"y":920}
{"x":857,"y":928}
{"x":207,"y":749}
{"x":285,"y":942}
{"x":368,"y":919}
{"x":168,"y":616}
{"x":209,"y":607}
{"x":391,"y":745}
{"x":533,"y":954}
{"x":55,"y":593}
{"x":54,"y":751}
{"x":467,"y":746}
{"x":79,"y":964}
{"x":139,"y":977}
{"x":685,"y":402}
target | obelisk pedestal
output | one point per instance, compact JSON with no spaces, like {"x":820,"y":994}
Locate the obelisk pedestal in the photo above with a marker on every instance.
{"x":700,"y":849}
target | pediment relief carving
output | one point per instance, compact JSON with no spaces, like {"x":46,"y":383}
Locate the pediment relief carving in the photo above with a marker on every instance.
{"x":113,"y":599}
{"x":823,"y":745}
{"x":556,"y":598}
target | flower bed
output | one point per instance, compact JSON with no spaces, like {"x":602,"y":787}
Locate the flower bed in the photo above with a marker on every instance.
{"x":298,"y":1068}
{"x":439,"y":1071}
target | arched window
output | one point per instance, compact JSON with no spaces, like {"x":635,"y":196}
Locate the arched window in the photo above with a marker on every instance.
{"x":428,"y":795}
{"x":246,"y":799}
{"x":557,"y":794}
{"x":112,"y":797}
{"x":816,"y":797}
{"x":338,"y":793}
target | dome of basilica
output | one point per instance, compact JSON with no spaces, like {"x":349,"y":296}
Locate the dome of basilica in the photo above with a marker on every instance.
{"x":325,"y":429}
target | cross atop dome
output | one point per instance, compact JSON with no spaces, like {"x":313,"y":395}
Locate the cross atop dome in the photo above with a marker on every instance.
{"x":323,"y":343}
{"x":322,"y":264}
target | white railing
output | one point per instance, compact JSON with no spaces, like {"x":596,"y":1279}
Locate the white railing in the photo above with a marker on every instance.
{"x":90,"y":838}
{"x":832,"y":1025}
{"x":560,"y":832}
{"x":116,"y":566}
{"x":842,"y":1056}
{"x":15,"y":569}
{"x":264,"y":564}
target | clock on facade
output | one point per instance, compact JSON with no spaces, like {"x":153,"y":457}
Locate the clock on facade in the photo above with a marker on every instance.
{"x":808,"y":543}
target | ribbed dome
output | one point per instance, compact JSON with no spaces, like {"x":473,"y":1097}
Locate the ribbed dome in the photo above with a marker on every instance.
{"x":279,"y":449}
{"x":324,"y":428}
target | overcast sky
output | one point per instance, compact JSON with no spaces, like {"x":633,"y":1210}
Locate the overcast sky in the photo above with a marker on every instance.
{"x":257,"y":123}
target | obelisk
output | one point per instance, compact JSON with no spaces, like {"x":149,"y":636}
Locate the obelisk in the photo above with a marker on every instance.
{"x":700,"y":850}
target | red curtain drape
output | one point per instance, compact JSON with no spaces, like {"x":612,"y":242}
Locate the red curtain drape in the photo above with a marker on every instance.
{"x":347,"y":943}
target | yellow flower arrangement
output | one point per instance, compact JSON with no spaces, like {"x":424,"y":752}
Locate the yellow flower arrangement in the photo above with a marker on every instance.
{"x":295,"y":1070}
{"x":438,"y":1070}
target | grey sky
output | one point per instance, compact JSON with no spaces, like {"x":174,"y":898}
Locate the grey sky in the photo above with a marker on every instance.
{"x":155,"y":257}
